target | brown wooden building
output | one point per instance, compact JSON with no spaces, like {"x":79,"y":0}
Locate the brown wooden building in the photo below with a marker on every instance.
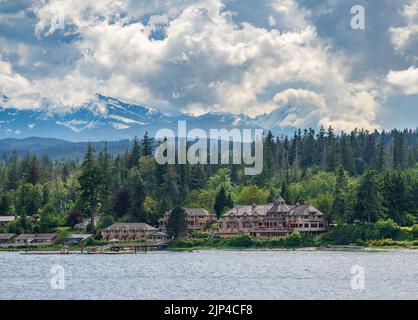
{"x":197,"y":219}
{"x":272,"y":220}
{"x":132,"y":232}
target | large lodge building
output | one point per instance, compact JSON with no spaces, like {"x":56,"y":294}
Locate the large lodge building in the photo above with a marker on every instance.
{"x":272,"y":220}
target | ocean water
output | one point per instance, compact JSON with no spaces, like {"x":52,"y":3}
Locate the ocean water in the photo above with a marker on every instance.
{"x":211,"y":275}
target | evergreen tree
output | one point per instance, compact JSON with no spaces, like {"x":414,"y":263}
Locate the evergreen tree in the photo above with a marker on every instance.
{"x":135,"y":154}
{"x":13,"y":176}
{"x":340,"y":194}
{"x":89,"y":181}
{"x":222,"y":201}
{"x":331,"y":150}
{"x":347,"y":155}
{"x":122,"y":201}
{"x":138,"y":198}
{"x":398,"y":151}
{"x":369,"y":198}
{"x":176,"y":224}
{"x":5,"y":204}
{"x":32,"y":170}
{"x":395,"y":198}
{"x":381,"y":156}
{"x":105,"y":166}
{"x":146,"y":145}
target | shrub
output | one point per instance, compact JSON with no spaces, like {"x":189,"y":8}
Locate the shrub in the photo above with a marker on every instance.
{"x":243,"y":241}
{"x":414,"y":231}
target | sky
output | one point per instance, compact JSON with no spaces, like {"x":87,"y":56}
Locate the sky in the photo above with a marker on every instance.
{"x":301,"y":59}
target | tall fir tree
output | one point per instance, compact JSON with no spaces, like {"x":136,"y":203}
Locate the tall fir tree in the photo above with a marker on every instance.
{"x":176,"y":224}
{"x":147,"y":145}
{"x":369,"y":207}
{"x":135,"y":154}
{"x":89,"y":181}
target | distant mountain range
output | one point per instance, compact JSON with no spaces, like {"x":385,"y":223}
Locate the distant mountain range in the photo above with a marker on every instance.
{"x":106,"y":118}
{"x":57,"y":149}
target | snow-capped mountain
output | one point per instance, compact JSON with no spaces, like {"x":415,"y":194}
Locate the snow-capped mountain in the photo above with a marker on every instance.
{"x":106,"y":118}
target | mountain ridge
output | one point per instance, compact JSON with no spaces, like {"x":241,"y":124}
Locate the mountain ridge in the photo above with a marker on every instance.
{"x":108,"y":118}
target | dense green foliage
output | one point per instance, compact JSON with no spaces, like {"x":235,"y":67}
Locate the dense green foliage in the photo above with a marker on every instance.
{"x":357,"y":179}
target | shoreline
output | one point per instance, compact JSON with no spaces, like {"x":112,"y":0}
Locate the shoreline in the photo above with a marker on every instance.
{"x":197,"y":249}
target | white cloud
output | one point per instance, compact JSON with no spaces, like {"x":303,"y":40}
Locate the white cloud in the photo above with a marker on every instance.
{"x":205,"y":62}
{"x":403,"y":37}
{"x":405,"y":81}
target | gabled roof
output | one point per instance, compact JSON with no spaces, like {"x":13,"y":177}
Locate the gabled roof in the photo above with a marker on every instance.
{"x":159,"y":233}
{"x":81,"y":237}
{"x":239,"y":210}
{"x":45,"y":236}
{"x":304,"y":210}
{"x":7,"y":236}
{"x":7,"y":218}
{"x":131,"y":227}
{"x":26,"y":236}
{"x":279,"y":207}
{"x":197,"y":212}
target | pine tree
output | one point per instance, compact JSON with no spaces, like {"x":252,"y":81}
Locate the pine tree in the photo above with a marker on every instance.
{"x":347,"y":155}
{"x":381,"y":156}
{"x":138,"y":198}
{"x":105,"y":165}
{"x":340,"y":194}
{"x":331,"y":150}
{"x":176,"y":224}
{"x":5,"y":204}
{"x":13,"y":175}
{"x":399,"y":151}
{"x":369,"y":198}
{"x":89,"y":181}
{"x":146,"y":145}
{"x":135,"y":154}
{"x":395,"y":198}
{"x":222,"y":201}
{"x":122,"y":201}
{"x":32,"y":170}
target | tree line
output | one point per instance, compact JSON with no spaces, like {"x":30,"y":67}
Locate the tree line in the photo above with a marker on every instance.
{"x":356,"y":177}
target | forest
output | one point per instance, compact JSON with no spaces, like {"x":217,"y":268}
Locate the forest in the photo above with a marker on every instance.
{"x":357,"y":179}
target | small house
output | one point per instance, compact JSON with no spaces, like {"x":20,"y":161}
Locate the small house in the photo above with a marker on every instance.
{"x":24,"y":239}
{"x":44,"y":238}
{"x":6,"y":238}
{"x":6,"y":219}
{"x":40,"y":239}
{"x":158,"y":237}
{"x":76,"y":239}
{"x":127,"y":231}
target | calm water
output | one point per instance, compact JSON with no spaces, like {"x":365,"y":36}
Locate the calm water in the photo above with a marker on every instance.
{"x":211,"y":275}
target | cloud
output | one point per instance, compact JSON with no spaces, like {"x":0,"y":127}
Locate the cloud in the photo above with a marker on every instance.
{"x":405,"y":80}
{"x":297,"y":108}
{"x":403,"y":38}
{"x":199,"y":56}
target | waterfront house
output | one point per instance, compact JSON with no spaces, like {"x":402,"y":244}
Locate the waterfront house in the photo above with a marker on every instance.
{"x":81,"y":227}
{"x":272,"y":220}
{"x":7,"y":238}
{"x":158,"y":237}
{"x":6,"y":219}
{"x":197,"y":219}
{"x":24,"y":239}
{"x":44,"y":239}
{"x":76,"y":239}
{"x":39,"y":239}
{"x":128,"y":231}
